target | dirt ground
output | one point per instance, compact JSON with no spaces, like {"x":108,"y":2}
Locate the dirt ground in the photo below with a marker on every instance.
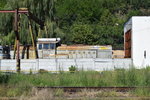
{"x":59,"y":94}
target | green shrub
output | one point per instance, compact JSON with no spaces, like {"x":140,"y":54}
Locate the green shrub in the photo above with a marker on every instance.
{"x":41,"y":71}
{"x":4,"y":78}
{"x":72,"y":69}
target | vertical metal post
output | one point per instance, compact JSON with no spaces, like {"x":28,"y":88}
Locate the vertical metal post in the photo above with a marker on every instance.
{"x":56,"y":48}
{"x":15,"y":47}
{"x":17,"y":41}
{"x":33,"y":41}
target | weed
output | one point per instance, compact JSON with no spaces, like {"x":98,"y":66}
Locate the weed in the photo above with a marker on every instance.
{"x":72,"y":69}
{"x":141,"y":92}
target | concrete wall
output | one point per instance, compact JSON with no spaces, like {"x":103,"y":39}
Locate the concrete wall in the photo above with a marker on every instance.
{"x":64,"y":64}
{"x":71,"y":54}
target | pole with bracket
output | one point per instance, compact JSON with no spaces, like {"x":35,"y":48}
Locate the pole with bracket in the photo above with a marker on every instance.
{"x":17,"y":41}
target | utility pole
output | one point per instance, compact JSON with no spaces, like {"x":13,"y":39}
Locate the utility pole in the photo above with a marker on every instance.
{"x":17,"y":40}
{"x":16,"y":30}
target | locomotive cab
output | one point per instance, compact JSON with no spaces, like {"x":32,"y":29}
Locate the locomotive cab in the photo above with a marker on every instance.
{"x":4,"y":52}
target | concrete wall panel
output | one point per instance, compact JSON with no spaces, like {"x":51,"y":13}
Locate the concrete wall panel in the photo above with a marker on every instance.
{"x":64,"y":64}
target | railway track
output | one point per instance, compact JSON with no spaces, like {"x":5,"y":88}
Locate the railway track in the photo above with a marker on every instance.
{"x":78,"y":98}
{"x":91,"y":92}
{"x":77,"y":89}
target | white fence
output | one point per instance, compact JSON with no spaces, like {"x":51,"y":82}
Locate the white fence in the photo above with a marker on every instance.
{"x":64,"y":64}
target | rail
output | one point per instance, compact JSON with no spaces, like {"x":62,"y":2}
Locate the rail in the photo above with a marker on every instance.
{"x":76,"y":89}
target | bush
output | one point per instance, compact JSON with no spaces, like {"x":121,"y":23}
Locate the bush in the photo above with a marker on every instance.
{"x":41,"y":71}
{"x":4,"y":78}
{"x":72,"y":69}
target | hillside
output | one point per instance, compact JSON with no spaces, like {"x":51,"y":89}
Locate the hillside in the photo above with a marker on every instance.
{"x":90,"y":22}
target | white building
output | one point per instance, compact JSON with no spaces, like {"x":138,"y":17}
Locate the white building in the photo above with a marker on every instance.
{"x":137,"y":39}
{"x":47,"y":43}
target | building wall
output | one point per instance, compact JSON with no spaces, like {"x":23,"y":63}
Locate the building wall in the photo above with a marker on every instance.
{"x":140,"y":41}
{"x":64,"y":64}
{"x":140,"y":33}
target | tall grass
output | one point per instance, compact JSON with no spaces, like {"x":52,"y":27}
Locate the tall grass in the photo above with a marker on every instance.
{"x":118,"y":77}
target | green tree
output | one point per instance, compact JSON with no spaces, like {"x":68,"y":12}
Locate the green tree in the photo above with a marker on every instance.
{"x":2,"y":4}
{"x":82,"y":34}
{"x":75,"y":21}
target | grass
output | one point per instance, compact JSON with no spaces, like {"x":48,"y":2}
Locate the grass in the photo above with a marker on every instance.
{"x":18,"y":84}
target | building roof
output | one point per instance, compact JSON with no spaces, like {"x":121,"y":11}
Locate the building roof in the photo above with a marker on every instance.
{"x":128,"y":24}
{"x":48,"y":40}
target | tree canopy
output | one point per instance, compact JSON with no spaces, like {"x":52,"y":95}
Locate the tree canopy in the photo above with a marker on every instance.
{"x":98,"y":22}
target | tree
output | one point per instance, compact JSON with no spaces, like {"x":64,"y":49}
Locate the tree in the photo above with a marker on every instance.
{"x":2,"y":4}
{"x":82,"y":34}
{"x":97,"y":22}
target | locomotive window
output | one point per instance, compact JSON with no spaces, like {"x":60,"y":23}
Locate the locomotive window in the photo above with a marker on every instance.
{"x":144,"y":54}
{"x":1,"y":51}
{"x":40,"y":46}
{"x":5,"y":51}
{"x":46,"y":46}
{"x":52,"y":46}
